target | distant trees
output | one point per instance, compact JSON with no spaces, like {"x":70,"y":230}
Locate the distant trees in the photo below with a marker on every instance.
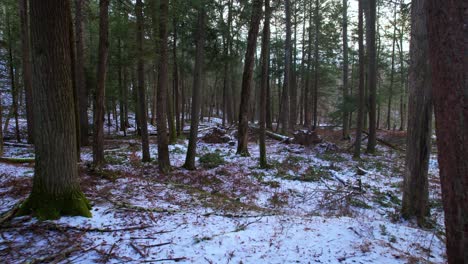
{"x":446,"y":23}
{"x":56,"y":190}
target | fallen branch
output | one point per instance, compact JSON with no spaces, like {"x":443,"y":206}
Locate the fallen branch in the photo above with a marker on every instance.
{"x":386,"y":143}
{"x":138,"y":250}
{"x":18,"y":145}
{"x":272,"y":135}
{"x":11,"y":213}
{"x":57,"y":257}
{"x":17,"y":160}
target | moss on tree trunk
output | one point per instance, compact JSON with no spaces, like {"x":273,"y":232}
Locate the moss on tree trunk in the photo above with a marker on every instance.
{"x":45,"y":205}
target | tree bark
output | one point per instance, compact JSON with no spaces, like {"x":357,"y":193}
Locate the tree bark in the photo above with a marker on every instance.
{"x":80,"y":74}
{"x":418,"y":144}
{"x":265,"y":55}
{"x":448,"y":46}
{"x":98,"y":135}
{"x":285,"y":100}
{"x":141,"y":83}
{"x":161,"y":104}
{"x":56,"y":190}
{"x":197,"y":84}
{"x":360,"y":114}
{"x":27,"y":71}
{"x":247,"y":77}
{"x":345,"y":71}
{"x":316,"y":62}
{"x":392,"y":73}
{"x":372,"y":72}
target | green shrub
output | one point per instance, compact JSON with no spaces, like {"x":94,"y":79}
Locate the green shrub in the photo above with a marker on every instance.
{"x":211,"y":160}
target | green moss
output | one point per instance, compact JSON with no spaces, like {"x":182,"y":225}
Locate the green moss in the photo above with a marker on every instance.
{"x":359,"y":203}
{"x":46,"y":206}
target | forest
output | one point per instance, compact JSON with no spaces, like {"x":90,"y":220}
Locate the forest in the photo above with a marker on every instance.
{"x":233,"y":131}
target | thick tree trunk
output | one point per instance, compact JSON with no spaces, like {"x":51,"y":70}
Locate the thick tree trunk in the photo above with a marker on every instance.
{"x":418,"y":145}
{"x":197,"y":83}
{"x":161,"y":104}
{"x":360,"y":114}
{"x":141,"y":83}
{"x":372,"y":71}
{"x":247,"y":78}
{"x":56,"y":190}
{"x":98,"y":135}
{"x":264,"y":83}
{"x":448,"y":56}
{"x":27,"y":71}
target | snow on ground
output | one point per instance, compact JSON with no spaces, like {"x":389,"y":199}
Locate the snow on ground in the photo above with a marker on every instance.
{"x":310,"y":206}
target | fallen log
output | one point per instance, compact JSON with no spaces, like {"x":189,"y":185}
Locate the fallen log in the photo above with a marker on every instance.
{"x":383,"y":142}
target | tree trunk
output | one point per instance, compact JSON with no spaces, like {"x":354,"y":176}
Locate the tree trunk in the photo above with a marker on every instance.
{"x":316,"y":61}
{"x":307,"y":110}
{"x":372,"y":71}
{"x":80,"y":74}
{"x":141,"y":82}
{"x":392,"y":73}
{"x":446,"y":21}
{"x":345,"y":71}
{"x":360,"y":114}
{"x":293,"y":78}
{"x":264,"y":83}
{"x":11,"y":73}
{"x":285,"y":100}
{"x":98,"y":135}
{"x":247,"y":77}
{"x":161,"y":104}
{"x":27,"y":71}
{"x":197,"y":84}
{"x":56,"y":190}
{"x":176,"y":80}
{"x":418,"y":144}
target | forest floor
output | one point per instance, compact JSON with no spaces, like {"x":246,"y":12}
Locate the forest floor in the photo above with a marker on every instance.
{"x":312,"y":205}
